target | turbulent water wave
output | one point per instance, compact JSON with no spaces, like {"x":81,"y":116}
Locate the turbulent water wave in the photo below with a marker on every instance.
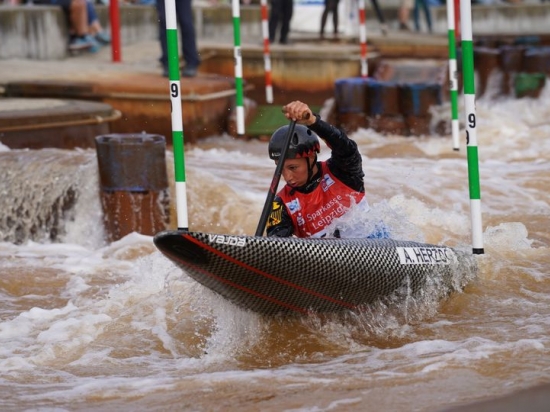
{"x":40,"y":192}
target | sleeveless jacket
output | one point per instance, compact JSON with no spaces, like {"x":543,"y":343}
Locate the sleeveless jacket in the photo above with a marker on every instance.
{"x":311,"y":213}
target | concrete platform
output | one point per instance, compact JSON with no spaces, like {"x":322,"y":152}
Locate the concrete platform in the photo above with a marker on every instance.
{"x":134,"y":87}
{"x":143,"y":100}
{"x":61,"y":123}
{"x":304,"y":70}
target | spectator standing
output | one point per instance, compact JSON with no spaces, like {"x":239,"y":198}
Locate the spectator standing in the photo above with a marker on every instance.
{"x":380,"y":16}
{"x":280,"y":15}
{"x":331,"y":7}
{"x":426,"y":8}
{"x":184,"y":17}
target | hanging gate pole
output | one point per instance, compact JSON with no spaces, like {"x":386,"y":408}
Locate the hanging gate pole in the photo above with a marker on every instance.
{"x":471,"y":124}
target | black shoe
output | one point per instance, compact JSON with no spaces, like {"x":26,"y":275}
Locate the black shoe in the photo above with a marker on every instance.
{"x":165,"y":72}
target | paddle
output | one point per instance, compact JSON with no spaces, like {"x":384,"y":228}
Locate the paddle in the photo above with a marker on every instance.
{"x":275,"y":181}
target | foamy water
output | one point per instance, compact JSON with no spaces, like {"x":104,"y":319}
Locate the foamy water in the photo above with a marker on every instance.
{"x":88,"y":325}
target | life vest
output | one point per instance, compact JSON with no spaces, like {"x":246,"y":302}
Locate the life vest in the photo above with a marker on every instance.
{"x":311,"y":213}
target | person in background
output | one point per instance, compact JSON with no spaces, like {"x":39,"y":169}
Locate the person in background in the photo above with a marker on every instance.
{"x":95,"y":28}
{"x":280,"y":15}
{"x":404,"y":14}
{"x":316,"y":192}
{"x":331,"y":6}
{"x":184,"y":17}
{"x":380,"y":16}
{"x":76,"y":12}
{"x":426,"y":8}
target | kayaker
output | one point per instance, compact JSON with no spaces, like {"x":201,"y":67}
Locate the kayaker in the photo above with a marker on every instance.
{"x":316,"y":192}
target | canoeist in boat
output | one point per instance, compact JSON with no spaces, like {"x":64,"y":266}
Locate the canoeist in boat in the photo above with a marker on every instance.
{"x":316,"y":192}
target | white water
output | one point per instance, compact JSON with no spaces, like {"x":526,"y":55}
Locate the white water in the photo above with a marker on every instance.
{"x":87,"y":325}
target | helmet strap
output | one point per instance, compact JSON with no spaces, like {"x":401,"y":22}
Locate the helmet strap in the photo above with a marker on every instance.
{"x":310,"y":168}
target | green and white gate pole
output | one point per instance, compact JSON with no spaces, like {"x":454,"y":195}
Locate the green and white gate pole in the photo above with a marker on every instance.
{"x":471,"y":123}
{"x":453,"y":76}
{"x":177,"y":122}
{"x":239,"y":104}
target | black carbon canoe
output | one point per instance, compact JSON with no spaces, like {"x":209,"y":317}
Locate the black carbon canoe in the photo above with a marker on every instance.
{"x":291,"y":275}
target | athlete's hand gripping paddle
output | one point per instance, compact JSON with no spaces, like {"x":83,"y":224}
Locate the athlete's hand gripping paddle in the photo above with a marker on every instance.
{"x":276,"y":178}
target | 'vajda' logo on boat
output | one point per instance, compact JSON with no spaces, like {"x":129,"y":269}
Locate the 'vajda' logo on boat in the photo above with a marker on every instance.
{"x":426,"y":255}
{"x":227,"y":240}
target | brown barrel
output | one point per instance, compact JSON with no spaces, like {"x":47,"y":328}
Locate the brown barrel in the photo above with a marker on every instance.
{"x":350,"y":94}
{"x":487,"y":60}
{"x":537,"y":60}
{"x":511,"y":61}
{"x":134,"y":183}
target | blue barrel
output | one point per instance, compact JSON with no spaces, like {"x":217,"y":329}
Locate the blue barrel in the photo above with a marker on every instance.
{"x":350,"y":94}
{"x":528,"y":40}
{"x":382,"y":98}
{"x":417,"y":98}
{"x":511,"y":58}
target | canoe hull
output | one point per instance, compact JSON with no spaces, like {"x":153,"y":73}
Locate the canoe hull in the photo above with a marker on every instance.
{"x":289,"y":275}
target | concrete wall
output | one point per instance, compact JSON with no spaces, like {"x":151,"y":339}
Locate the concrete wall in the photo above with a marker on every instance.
{"x":32,"y":32}
{"x":501,"y":19}
{"x":40,"y":32}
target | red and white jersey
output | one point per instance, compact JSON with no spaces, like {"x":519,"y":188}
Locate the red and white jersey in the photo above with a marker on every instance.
{"x":311,"y":213}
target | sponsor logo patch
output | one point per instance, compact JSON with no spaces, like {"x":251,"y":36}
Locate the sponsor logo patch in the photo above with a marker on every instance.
{"x":294,"y":206}
{"x":326,"y":182}
{"x":227,"y":240}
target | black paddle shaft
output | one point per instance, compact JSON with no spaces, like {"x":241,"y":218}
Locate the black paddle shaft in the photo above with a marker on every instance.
{"x":275,"y":181}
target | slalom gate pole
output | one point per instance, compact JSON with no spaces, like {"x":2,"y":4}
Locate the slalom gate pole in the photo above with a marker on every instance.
{"x":471,"y":123}
{"x":114,"y":17}
{"x":457,"y":18}
{"x":267,"y":55}
{"x":363,"y":38}
{"x":177,"y":123}
{"x":239,"y":104}
{"x":453,"y":74}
